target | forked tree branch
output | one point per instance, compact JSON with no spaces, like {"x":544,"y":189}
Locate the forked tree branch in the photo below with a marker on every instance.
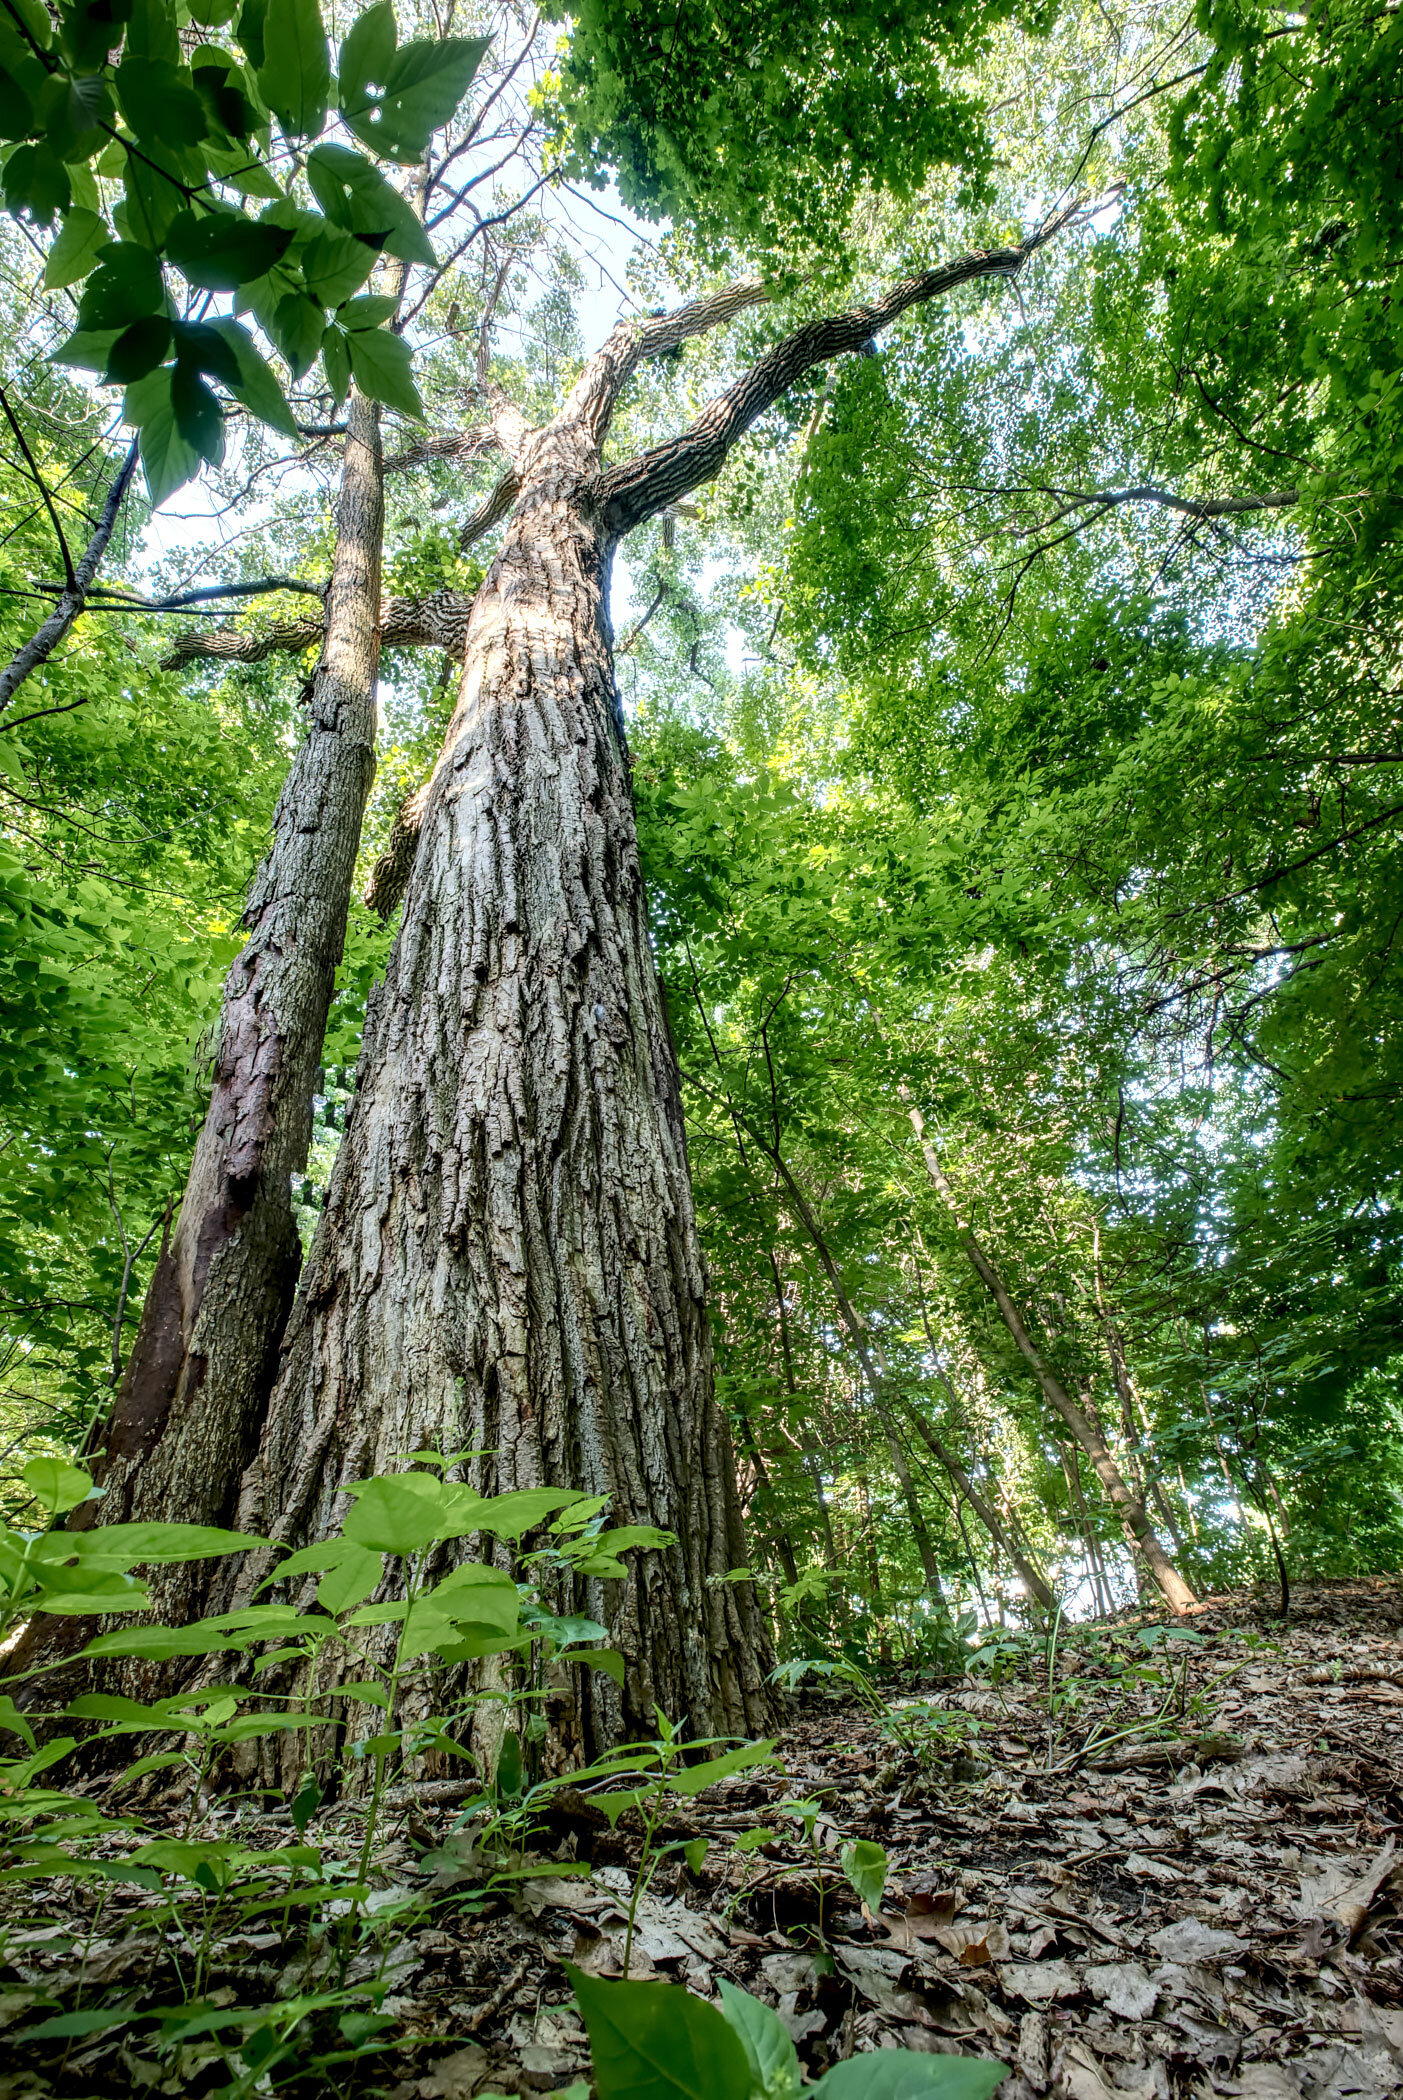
{"x":634,"y":492}
{"x":591,"y":400}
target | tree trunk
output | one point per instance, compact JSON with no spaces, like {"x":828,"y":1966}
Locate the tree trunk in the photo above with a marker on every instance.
{"x":186,"y":1417}
{"x":508,"y":1260}
{"x":1138,"y":1529}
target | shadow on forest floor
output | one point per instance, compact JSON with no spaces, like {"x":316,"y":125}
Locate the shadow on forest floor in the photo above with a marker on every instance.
{"x":1175,"y":1876}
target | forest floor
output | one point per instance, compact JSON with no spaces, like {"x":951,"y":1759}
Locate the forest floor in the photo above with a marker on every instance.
{"x":1176,"y":1877}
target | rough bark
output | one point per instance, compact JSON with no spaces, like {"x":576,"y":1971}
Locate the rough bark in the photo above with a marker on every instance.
{"x":508,"y":1259}
{"x":1139,"y":1531}
{"x":438,"y":621}
{"x":187,"y":1414}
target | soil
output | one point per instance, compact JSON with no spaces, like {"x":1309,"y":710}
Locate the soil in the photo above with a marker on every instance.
{"x":1176,"y":1876}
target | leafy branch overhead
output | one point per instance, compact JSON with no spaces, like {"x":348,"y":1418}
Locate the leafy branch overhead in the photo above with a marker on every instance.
{"x":183,"y":177}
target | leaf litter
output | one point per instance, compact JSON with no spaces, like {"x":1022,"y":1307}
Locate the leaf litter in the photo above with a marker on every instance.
{"x":1114,"y":1900}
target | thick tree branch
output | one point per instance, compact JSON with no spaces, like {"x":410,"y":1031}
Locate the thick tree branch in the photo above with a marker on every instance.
{"x":456,"y":444}
{"x":590,"y":402}
{"x":439,"y":621}
{"x":491,"y":510}
{"x":634,"y":492}
{"x":72,"y":598}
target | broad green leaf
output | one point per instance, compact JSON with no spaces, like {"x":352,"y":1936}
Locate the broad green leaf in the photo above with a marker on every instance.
{"x":159,"y":101}
{"x":399,"y":1513}
{"x":155,"y":185}
{"x":367,"y":53}
{"x":13,"y":1721}
{"x":297,"y":327}
{"x":865,"y":1865}
{"x":352,"y":1580}
{"x":608,"y":1660}
{"x":36,"y":184}
{"x":512,"y":1515}
{"x":91,"y":1603}
{"x":295,"y":75}
{"x":336,"y":264}
{"x":74,"y":253}
{"x":357,"y":198}
{"x":336,"y":362}
{"x":909,"y":2074}
{"x":224,"y":250}
{"x":90,"y":2020}
{"x":139,"y":1545}
{"x":691,"y":1779}
{"x":138,"y":350}
{"x":88,"y":349}
{"x":56,"y":1484}
{"x":422,"y":87}
{"x":256,"y":385}
{"x":482,"y":1594}
{"x":767,"y":2042}
{"x":655,"y":2041}
{"x":125,"y":287}
{"x":368,"y":311}
{"x":509,"y":1771}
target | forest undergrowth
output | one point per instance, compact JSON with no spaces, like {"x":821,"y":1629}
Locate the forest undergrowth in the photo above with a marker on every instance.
{"x":1115,"y":1858}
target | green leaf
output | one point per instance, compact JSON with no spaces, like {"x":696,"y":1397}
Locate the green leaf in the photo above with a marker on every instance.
{"x":156,"y":192}
{"x":357,"y":198}
{"x":508,"y":1777}
{"x":508,"y":1516}
{"x":367,"y":53}
{"x":138,"y":350}
{"x":397,"y":1513}
{"x":865,"y":1865}
{"x":159,"y":101}
{"x":56,"y":1484}
{"x":252,"y":18}
{"x":224,"y":250}
{"x":14,"y":1721}
{"x":92,"y":2020}
{"x":694,"y":1852}
{"x":691,"y":1779}
{"x":655,"y":2041}
{"x":74,"y":253}
{"x":295,"y":75}
{"x":200,"y":348}
{"x":125,"y":287}
{"x":336,"y":264}
{"x":421,"y":89}
{"x":305,"y":1803}
{"x":297,"y":327}
{"x":608,"y":1660}
{"x":352,"y":1580}
{"x":368,"y":312}
{"x":768,"y":2045}
{"x":256,"y":385}
{"x":36,"y":184}
{"x":909,"y":2074}
{"x":139,"y":1545}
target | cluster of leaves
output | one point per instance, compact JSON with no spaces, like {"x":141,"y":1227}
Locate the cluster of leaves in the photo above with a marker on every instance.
{"x":647,"y":2040}
{"x":146,"y":141}
{"x":799,"y":112}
